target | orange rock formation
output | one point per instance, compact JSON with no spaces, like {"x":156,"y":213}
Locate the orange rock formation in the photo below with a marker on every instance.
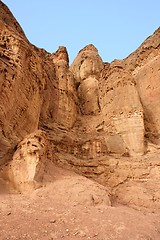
{"x":100,"y":119}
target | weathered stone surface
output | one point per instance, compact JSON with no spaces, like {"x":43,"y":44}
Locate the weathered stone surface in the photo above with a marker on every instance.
{"x":87,"y":63}
{"x":66,"y":113}
{"x":101,"y":119}
{"x":21,"y":83}
{"x":89,"y":96}
{"x":37,"y":88}
{"x":26,"y":169}
{"x":7,"y":19}
{"x":122,"y":109}
{"x":144,"y":66}
{"x":86,"y":69}
{"x":131,"y":181}
{"x":148,"y":86}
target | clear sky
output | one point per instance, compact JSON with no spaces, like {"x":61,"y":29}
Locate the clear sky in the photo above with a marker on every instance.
{"x":115,"y":27}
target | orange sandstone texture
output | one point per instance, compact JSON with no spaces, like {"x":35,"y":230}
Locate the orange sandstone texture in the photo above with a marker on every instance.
{"x":99,"y":119}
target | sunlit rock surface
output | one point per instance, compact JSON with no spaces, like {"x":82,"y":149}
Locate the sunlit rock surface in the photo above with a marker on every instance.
{"x":101,"y":120}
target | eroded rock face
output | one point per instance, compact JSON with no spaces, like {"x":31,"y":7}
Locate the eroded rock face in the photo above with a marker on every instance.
{"x":67,"y":99}
{"x":26,"y":169}
{"x":149,"y":92}
{"x":21,"y":84}
{"x":144,"y":66}
{"x":100,"y":119}
{"x":122,"y":109}
{"x":37,"y":88}
{"x":86,"y":69}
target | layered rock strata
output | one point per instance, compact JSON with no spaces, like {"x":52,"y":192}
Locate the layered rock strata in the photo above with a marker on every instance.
{"x":100,"y":119}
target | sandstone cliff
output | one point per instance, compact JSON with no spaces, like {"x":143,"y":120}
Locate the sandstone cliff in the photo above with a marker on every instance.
{"x":100,"y":119}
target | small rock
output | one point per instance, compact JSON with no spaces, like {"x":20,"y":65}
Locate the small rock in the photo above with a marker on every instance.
{"x":52,"y":220}
{"x":80,"y":233}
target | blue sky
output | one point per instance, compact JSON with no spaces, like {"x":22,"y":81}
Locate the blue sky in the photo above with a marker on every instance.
{"x":115,"y":27}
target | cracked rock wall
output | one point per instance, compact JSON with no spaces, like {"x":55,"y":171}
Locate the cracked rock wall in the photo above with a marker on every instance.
{"x":101,"y":119}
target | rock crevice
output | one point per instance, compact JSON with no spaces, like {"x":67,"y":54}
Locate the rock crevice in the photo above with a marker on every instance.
{"x":91,"y":113}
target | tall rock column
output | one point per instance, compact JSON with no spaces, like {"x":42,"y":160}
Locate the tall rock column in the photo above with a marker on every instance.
{"x":122,"y":109}
{"x":66,"y":113}
{"x":86,"y":69}
{"x":148,"y":87}
{"x":144,"y":64}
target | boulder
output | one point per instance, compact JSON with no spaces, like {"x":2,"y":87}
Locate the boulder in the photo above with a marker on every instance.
{"x":26,"y":169}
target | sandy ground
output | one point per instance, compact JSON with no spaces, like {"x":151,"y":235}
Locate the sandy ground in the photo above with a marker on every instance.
{"x":70,"y":206}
